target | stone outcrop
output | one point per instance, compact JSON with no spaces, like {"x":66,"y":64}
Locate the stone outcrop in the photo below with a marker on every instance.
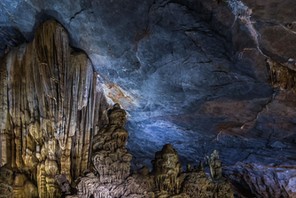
{"x":170,"y":181}
{"x":110,"y":159}
{"x":50,"y":107}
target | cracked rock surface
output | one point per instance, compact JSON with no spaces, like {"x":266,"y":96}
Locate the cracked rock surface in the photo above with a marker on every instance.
{"x":200,"y":75}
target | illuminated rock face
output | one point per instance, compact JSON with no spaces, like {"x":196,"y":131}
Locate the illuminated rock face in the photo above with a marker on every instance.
{"x":50,"y":109}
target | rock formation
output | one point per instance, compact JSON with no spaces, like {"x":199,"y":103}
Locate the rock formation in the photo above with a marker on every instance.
{"x":50,"y":107}
{"x":167,"y":169}
{"x":110,"y":157}
{"x":170,"y":181}
{"x":52,"y":131}
{"x":164,"y":181}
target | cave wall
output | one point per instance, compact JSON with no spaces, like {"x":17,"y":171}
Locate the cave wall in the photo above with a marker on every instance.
{"x":51,"y":106}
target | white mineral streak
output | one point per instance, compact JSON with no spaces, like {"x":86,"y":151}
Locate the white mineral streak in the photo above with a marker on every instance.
{"x":243,"y":13}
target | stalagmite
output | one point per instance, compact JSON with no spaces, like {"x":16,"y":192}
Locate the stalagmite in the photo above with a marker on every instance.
{"x":167,"y":168}
{"x":110,"y":158}
{"x":215,"y":165}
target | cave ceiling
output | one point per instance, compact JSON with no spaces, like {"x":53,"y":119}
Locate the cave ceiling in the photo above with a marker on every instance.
{"x":201,"y":75}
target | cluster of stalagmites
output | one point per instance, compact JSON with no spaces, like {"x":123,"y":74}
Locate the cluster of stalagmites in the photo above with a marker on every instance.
{"x":111,"y":170}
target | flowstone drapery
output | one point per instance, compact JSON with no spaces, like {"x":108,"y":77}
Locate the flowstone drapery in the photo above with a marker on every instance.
{"x":50,"y":106}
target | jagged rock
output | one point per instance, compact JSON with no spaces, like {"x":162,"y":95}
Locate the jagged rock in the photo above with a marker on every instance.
{"x":110,"y":158}
{"x":22,"y":187}
{"x":50,"y":104}
{"x":170,"y":182}
{"x":15,"y":184}
{"x":87,"y":185}
{"x":133,"y":186}
{"x":197,"y":183}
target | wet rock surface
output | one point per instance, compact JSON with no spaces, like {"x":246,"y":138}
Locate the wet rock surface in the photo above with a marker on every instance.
{"x":201,"y":75}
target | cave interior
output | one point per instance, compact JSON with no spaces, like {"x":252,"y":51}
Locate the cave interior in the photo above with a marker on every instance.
{"x":154,"y":98}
